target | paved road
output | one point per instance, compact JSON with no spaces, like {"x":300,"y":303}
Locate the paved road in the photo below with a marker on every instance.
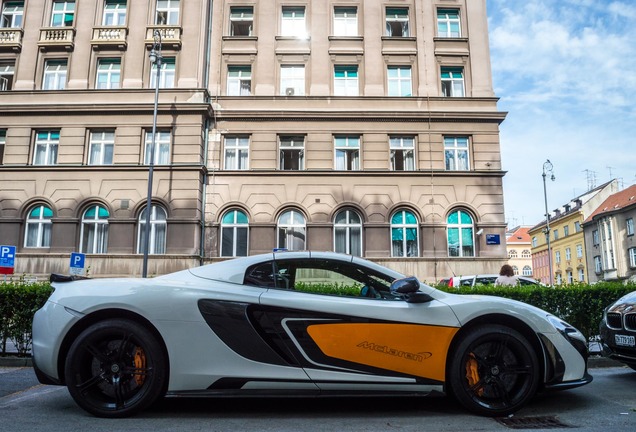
{"x":607,"y":404}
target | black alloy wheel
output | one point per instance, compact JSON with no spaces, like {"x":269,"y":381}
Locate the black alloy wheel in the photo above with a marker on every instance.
{"x":494,"y":371}
{"x":115,"y":368}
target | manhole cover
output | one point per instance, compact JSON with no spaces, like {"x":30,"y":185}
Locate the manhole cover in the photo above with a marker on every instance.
{"x":545,"y":422}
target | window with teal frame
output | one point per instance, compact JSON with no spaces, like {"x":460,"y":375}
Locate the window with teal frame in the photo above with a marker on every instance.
{"x":404,"y":235}
{"x":38,"y":227}
{"x":234,"y":234}
{"x":94,"y":232}
{"x":460,"y":234}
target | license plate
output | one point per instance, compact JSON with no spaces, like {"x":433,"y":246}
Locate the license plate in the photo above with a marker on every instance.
{"x":623,"y":340}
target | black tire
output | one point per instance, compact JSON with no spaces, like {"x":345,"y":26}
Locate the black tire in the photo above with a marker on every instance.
{"x":493,"y":371}
{"x":115,"y":368}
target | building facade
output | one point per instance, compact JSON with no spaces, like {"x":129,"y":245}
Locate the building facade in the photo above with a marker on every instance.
{"x":519,"y":246}
{"x":567,"y":242}
{"x":609,"y":236}
{"x":364,"y":127}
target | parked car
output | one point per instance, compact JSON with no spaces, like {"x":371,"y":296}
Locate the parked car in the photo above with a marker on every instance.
{"x":485,"y":279}
{"x":298,"y":324}
{"x":618,"y":330}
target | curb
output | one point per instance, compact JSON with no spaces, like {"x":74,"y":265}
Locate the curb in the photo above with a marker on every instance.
{"x":593,"y":362}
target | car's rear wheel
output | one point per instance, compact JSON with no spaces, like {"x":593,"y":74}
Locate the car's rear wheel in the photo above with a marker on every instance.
{"x":494,"y":370}
{"x":115,"y":368}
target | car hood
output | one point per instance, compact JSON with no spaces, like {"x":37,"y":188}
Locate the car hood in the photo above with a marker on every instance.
{"x":624,"y":304}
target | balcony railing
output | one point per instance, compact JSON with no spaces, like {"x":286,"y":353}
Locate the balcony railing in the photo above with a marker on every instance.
{"x":170,"y":35}
{"x":11,"y":39}
{"x":109,"y":37}
{"x":52,"y":38}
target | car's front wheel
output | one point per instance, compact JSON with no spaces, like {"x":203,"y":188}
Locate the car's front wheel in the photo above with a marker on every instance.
{"x":115,"y":368}
{"x":494,"y":370}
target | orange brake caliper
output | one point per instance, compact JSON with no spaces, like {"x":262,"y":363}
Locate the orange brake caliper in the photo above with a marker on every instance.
{"x":140,"y":363}
{"x":472,"y":373}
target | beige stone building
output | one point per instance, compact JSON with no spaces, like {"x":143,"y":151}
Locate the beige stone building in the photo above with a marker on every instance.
{"x":519,"y":245}
{"x":366,"y":127}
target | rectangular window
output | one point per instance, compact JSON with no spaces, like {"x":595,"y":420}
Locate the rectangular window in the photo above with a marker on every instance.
{"x":630,"y":226}
{"x":453,"y":82}
{"x":632,"y":257}
{"x":236,"y":153}
{"x":108,"y":73}
{"x":347,"y":150}
{"x":345,"y":81}
{"x":292,"y":80}
{"x":579,"y":251}
{"x":293,"y":22}
{"x":448,"y":25}
{"x":402,"y":153}
{"x":598,"y":268}
{"x":7,"y":69}
{"x":54,"y":75}
{"x":46,"y":144}
{"x":241,"y":21}
{"x":3,"y":142}
{"x":595,"y":238}
{"x":557,"y":257}
{"x":102,"y":146}
{"x":239,"y":80}
{"x":292,"y":153}
{"x":167,"y":12}
{"x":397,"y":22}
{"x":63,"y":13}
{"x":114,"y":13}
{"x":162,"y":148}
{"x":345,"y":21}
{"x":456,"y":153}
{"x":166,"y":73}
{"x":577,"y":226}
{"x":581,"y":275}
{"x":556,"y":234}
{"x":566,"y":230}
{"x":568,"y":254}
{"x":399,"y":81}
{"x":12,"y":12}
{"x":535,"y":242}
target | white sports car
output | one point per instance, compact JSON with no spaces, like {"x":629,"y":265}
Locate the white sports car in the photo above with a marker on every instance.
{"x":301,"y":324}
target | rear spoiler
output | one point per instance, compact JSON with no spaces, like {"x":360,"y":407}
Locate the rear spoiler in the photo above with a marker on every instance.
{"x":65,"y":278}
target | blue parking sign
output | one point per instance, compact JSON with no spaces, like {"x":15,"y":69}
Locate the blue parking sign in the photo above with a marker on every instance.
{"x":78,"y":261}
{"x":7,"y":259}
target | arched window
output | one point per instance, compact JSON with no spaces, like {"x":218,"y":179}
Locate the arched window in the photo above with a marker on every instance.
{"x":38,"y":227}
{"x":94,"y":231}
{"x":512,"y":254}
{"x":515,"y":270}
{"x":347,"y":233}
{"x":526,"y":254}
{"x":291,"y":230}
{"x":234,"y":234}
{"x":158,"y":227}
{"x":460,"y":231}
{"x":527,"y":271}
{"x":404,"y":234}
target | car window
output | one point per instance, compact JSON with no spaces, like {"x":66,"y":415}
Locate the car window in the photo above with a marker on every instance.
{"x":485,"y":280}
{"x":331,"y":277}
{"x":527,"y":282}
{"x":466,"y":281}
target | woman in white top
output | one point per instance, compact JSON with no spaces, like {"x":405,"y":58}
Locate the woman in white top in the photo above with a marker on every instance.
{"x":506,"y":277}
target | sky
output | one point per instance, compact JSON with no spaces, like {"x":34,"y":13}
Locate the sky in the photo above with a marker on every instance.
{"x":565,"y":71}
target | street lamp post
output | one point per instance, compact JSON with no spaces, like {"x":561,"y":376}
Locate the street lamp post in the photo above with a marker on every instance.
{"x":548,"y":169}
{"x":155,"y":59}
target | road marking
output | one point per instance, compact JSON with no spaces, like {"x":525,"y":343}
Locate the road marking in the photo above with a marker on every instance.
{"x":30,"y":393}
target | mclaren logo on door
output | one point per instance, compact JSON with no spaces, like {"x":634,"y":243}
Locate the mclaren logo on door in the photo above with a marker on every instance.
{"x":419,"y":357}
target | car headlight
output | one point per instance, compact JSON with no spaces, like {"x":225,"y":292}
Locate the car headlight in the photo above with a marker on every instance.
{"x":567,"y":330}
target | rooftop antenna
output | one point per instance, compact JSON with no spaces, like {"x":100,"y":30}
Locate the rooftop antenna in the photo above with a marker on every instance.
{"x":591,"y":179}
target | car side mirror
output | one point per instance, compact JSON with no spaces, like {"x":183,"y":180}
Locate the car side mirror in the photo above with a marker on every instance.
{"x":408,"y":288}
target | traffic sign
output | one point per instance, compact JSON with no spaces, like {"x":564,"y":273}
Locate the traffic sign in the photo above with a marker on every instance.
{"x":78,"y":260}
{"x":7,"y":259}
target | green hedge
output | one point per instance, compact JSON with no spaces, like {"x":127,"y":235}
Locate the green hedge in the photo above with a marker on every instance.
{"x":19,"y":299}
{"x":581,"y":305}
